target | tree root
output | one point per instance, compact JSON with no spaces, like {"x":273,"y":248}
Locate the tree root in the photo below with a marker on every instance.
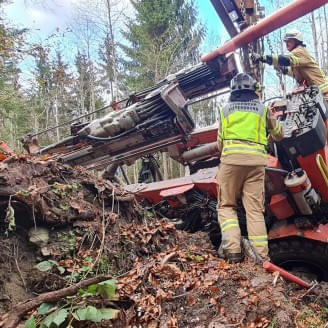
{"x":13,"y":317}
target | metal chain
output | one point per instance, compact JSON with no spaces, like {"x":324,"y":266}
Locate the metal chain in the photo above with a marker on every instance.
{"x":268,"y":40}
{"x":242,"y":9}
{"x":278,"y":71}
{"x":256,"y":71}
{"x":243,"y":13}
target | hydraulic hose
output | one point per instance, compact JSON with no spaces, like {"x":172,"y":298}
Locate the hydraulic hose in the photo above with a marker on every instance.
{"x":90,"y":137}
{"x":142,"y":125}
{"x":154,"y":119}
{"x":323,"y":168}
{"x":280,"y":171}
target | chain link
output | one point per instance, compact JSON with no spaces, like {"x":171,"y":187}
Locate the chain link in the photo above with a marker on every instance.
{"x":243,"y":9}
{"x":250,"y":46}
{"x":269,"y":44}
{"x":243,"y":13}
{"x":278,"y":71}
{"x":254,"y":69}
{"x":268,"y":40}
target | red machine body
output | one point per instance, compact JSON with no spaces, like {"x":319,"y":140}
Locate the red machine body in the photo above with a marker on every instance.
{"x":5,"y":151}
{"x":296,"y":184}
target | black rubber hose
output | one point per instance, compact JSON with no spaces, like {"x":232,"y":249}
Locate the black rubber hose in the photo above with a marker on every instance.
{"x":110,"y":138}
{"x":158,"y":117}
{"x":281,"y":171}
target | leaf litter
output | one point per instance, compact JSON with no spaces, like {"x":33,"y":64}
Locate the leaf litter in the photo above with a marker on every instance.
{"x":165,"y":277}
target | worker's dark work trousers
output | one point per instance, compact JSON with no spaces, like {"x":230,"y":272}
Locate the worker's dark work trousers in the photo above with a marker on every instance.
{"x":248,"y":182}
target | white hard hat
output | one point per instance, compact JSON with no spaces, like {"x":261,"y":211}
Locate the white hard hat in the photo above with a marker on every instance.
{"x":242,"y":82}
{"x":293,"y":34}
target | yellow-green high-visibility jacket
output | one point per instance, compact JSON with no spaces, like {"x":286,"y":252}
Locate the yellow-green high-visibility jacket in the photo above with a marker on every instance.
{"x":242,"y":132}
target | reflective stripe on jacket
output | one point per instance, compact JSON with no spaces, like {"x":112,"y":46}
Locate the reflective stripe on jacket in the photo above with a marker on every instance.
{"x":243,"y":121}
{"x":237,"y":156}
{"x":305,"y":68}
{"x":235,"y":147}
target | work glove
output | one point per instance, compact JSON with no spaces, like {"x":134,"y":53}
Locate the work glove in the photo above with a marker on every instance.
{"x":256,"y":58}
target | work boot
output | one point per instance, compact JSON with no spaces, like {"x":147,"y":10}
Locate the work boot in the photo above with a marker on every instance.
{"x":235,"y":257}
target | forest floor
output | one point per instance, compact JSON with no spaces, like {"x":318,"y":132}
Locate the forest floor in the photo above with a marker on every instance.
{"x":77,"y":251}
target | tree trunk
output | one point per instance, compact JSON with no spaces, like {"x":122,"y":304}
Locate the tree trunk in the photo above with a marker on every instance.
{"x":326,"y":52}
{"x":135,"y":173}
{"x":321,"y":41}
{"x":315,"y":37}
{"x":113,"y":83}
{"x":165,"y":166}
{"x":56,"y":114}
{"x":181,"y":170}
{"x":170,"y":166}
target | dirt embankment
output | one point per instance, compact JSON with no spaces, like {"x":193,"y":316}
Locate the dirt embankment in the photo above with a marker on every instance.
{"x":163,"y":277}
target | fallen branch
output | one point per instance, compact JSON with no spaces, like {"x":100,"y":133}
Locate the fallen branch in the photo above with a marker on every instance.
{"x":13,"y":317}
{"x":128,"y":198}
{"x":167,"y":258}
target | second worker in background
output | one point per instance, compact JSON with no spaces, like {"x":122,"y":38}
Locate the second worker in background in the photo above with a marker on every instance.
{"x":242,"y":138}
{"x":298,"y":64}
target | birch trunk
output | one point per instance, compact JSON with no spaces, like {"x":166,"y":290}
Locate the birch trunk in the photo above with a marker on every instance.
{"x":165,"y":166}
{"x":314,"y":36}
{"x":113,"y":82}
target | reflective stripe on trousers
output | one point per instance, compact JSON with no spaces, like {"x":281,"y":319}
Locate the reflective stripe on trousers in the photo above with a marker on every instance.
{"x":258,"y":240}
{"x":248,"y":182}
{"x":228,"y":224}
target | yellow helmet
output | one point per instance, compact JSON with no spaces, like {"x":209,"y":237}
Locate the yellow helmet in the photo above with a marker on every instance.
{"x":293,"y":34}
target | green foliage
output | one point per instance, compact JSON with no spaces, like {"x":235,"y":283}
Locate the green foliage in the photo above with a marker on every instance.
{"x":64,"y":206}
{"x":309,"y":318}
{"x":45,"y":308}
{"x":83,"y":94}
{"x":30,"y":323}
{"x":69,"y":239}
{"x":22,"y":193}
{"x":93,"y":314}
{"x":62,"y":190}
{"x":104,"y":266}
{"x":76,"y":308}
{"x":324,"y":314}
{"x":105,"y":289}
{"x":55,"y":319}
{"x":45,"y":266}
{"x":196,"y":258}
{"x":15,"y":106}
{"x":15,"y":113}
{"x":163,"y":37}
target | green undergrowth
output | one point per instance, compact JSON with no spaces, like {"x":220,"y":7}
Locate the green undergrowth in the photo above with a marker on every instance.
{"x":76,"y":308}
